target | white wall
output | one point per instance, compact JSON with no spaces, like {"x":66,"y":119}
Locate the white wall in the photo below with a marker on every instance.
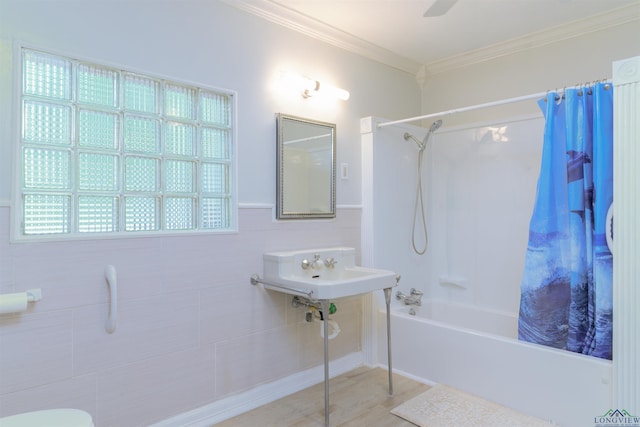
{"x":479,"y":184}
{"x":556,"y":65}
{"x":192,"y":330}
{"x":482,"y":186}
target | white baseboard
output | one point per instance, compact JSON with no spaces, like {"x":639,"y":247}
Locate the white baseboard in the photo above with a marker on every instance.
{"x":406,"y":375}
{"x":229,"y":407}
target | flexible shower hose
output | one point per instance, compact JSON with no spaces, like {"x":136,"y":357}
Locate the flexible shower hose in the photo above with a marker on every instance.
{"x":419,"y":205}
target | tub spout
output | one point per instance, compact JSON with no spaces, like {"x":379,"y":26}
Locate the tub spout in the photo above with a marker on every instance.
{"x":413,"y":299}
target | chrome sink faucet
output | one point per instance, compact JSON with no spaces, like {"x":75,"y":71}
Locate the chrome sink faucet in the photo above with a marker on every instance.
{"x":415,"y":297}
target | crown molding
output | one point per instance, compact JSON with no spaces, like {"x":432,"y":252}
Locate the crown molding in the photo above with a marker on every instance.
{"x":306,"y":25}
{"x":541,"y":38}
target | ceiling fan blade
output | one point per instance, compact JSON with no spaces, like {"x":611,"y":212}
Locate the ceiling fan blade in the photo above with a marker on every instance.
{"x":439,"y":8}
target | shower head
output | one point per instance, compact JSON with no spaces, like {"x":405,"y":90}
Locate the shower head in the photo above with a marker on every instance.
{"x":422,"y":144}
{"x":435,"y":126}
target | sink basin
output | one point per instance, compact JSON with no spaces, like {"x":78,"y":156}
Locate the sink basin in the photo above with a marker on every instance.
{"x":323,"y":273}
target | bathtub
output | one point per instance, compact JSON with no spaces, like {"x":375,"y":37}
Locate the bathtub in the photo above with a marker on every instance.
{"x":477,"y":350}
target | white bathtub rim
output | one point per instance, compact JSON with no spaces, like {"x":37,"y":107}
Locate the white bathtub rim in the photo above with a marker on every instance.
{"x":456,"y":304}
{"x":399,"y":311}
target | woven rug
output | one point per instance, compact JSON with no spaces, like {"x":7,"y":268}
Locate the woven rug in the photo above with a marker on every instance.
{"x":444,"y":406}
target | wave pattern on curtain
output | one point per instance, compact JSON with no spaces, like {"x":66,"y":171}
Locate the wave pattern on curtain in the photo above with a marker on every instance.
{"x":566,"y":299}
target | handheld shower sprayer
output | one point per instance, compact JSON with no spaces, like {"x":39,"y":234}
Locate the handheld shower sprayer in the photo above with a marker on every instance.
{"x":419,"y":205}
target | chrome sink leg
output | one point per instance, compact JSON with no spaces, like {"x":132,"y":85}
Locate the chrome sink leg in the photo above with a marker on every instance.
{"x":387,"y":298}
{"x":325,"y":317}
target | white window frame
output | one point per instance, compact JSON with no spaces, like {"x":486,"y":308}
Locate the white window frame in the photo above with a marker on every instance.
{"x":18,"y":229}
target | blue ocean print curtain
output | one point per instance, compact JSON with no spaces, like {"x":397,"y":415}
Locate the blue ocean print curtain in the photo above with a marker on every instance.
{"x":566,"y":292}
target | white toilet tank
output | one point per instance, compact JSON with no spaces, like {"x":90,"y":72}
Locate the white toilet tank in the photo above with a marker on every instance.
{"x":49,"y":418}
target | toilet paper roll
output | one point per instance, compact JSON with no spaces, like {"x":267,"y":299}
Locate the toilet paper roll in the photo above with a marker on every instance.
{"x":13,"y":303}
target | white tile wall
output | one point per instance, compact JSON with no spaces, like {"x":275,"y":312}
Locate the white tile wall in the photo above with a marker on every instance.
{"x":35,"y":349}
{"x":157,"y":388}
{"x":78,"y":392}
{"x":191,"y":327}
{"x":247,"y":310}
{"x":6,"y":267}
{"x":146,"y":327}
{"x":248,"y":360}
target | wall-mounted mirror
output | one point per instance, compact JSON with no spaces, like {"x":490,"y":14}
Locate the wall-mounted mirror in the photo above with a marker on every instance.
{"x":306,"y":185}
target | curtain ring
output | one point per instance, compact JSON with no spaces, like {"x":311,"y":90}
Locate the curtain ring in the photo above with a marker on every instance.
{"x":558,"y":97}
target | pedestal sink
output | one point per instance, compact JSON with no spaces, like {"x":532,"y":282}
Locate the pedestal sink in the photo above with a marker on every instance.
{"x":321,"y":275}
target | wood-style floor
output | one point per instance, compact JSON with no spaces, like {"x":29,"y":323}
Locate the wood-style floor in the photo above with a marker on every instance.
{"x":357,"y":398}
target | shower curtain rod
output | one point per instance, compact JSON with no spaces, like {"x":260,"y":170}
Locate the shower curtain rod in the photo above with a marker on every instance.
{"x":474,"y":107}
{"x":469,"y":108}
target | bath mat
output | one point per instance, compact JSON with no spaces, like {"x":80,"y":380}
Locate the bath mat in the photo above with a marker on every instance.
{"x":444,"y":406}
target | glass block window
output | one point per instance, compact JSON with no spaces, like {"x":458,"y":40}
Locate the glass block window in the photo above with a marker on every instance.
{"x":107,"y":151}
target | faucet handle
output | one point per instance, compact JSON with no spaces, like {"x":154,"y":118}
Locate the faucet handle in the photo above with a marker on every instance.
{"x":330,"y":262}
{"x":305,"y":264}
{"x":416,"y":293}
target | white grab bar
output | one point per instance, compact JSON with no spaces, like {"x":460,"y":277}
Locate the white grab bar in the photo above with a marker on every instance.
{"x":112,"y":281}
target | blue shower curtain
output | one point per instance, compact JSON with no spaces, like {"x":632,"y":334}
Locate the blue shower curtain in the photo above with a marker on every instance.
{"x":566,"y":292}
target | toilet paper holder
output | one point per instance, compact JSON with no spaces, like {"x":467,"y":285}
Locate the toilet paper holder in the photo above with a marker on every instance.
{"x":34,"y":295}
{"x":18,"y":302}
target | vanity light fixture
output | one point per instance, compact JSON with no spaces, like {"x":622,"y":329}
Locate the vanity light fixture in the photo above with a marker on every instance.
{"x":310,"y":87}
{"x":322,"y":88}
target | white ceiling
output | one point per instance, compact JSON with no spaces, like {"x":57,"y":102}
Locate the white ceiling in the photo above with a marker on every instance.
{"x":396,"y":33}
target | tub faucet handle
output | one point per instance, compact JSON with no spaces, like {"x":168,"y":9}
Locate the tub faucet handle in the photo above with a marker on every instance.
{"x":409,"y":299}
{"x":416,"y":293}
